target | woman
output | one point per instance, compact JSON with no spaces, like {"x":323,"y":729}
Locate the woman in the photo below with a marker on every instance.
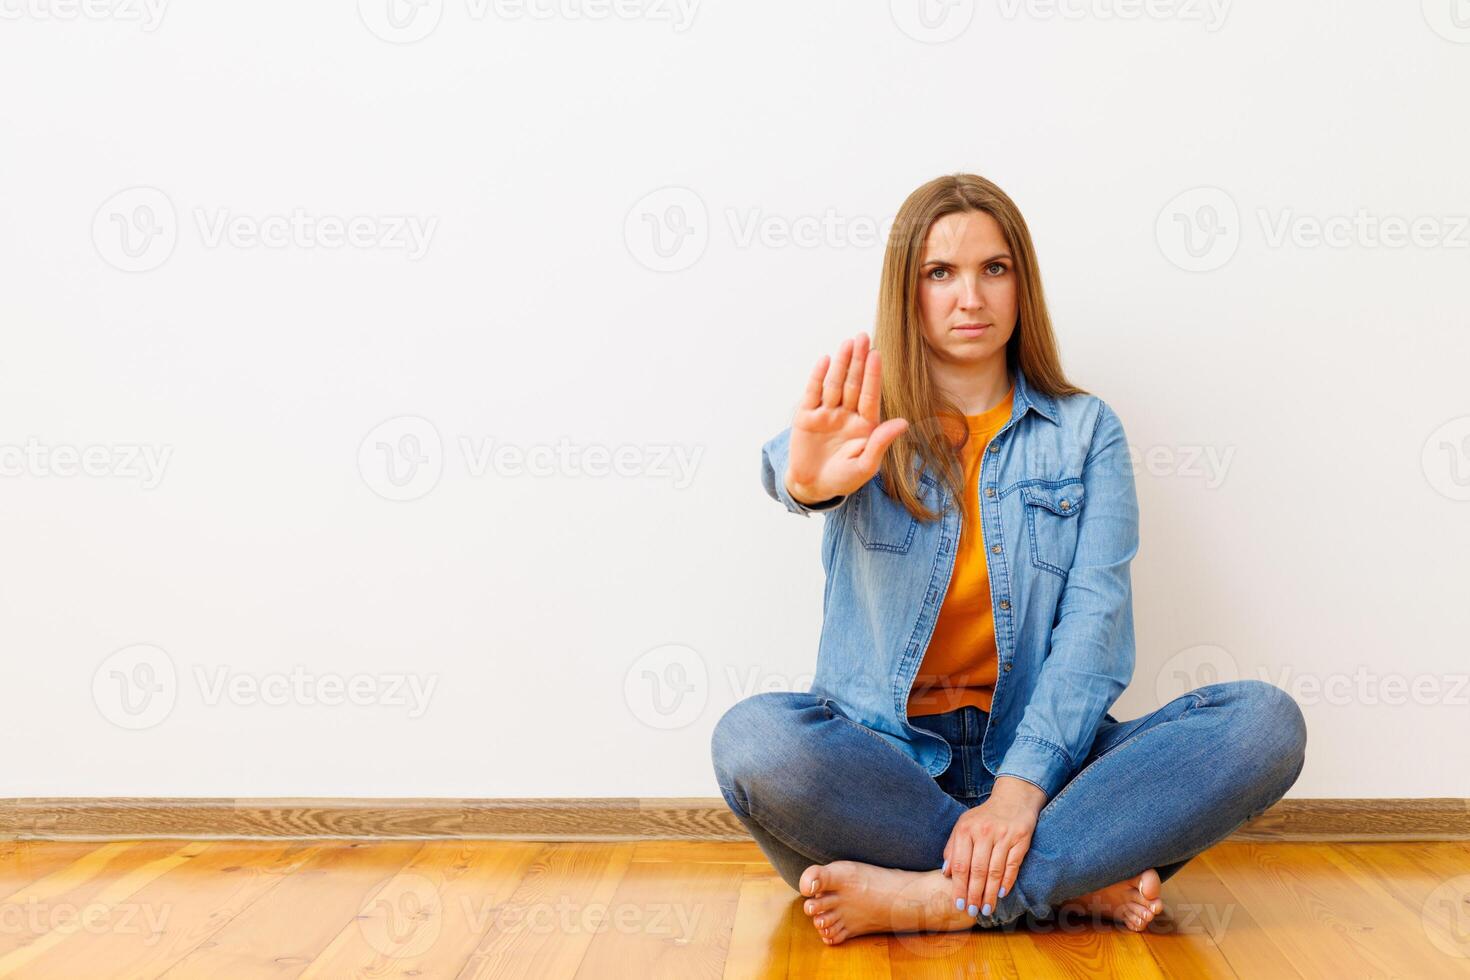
{"x":954,"y":763}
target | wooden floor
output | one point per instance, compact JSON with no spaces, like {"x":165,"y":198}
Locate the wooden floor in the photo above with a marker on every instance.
{"x":647,"y":910}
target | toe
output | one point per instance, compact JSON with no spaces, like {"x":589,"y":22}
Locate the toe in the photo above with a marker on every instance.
{"x":816,"y":906}
{"x":811,"y":883}
{"x":1138,"y":915}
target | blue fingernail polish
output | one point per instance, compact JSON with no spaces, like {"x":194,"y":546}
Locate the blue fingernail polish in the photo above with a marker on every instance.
{"x":1002,"y":893}
{"x":945,"y":865}
{"x":972,"y":910}
{"x":986,"y":909}
{"x":959,"y":903}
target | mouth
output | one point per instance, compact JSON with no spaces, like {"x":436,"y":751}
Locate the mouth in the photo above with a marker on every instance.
{"x":972,"y":329}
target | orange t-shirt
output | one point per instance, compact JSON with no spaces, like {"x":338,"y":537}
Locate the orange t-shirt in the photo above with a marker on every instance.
{"x":960,"y":663}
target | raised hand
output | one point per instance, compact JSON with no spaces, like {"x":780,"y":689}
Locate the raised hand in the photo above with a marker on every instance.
{"x":837,"y":442}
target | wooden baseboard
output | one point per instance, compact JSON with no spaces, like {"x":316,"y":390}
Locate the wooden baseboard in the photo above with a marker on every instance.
{"x":597,"y":819}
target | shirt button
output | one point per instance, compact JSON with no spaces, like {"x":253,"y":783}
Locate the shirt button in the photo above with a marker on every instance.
{"x":1065,"y":505}
{"x":1007,"y":668}
{"x":995,"y":549}
{"x":994,"y":447}
{"x":990,"y":491}
{"x":1005,"y":603}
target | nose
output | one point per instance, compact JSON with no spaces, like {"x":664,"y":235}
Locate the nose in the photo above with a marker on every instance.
{"x":970,"y":298}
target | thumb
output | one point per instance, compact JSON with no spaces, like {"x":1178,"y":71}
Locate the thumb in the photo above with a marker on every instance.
{"x":879,"y":440}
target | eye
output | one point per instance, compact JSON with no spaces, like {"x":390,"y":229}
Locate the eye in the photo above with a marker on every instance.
{"x":937,"y":269}
{"x":998,"y":265}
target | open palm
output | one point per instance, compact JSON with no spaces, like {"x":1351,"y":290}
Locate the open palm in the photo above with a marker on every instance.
{"x":837,"y":441}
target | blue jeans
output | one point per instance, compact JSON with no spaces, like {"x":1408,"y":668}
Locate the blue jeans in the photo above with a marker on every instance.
{"x":812,"y":786}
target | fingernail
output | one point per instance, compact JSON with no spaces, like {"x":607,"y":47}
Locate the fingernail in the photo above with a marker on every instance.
{"x":945,"y":865}
{"x":972,"y":910}
{"x":986,"y":909}
{"x":959,"y":903}
{"x":1002,"y":892}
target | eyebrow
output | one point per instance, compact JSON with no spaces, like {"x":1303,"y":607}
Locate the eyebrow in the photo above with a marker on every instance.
{"x":1002,"y":255}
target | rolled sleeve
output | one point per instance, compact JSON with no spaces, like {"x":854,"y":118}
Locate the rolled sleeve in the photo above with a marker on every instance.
{"x":1091,"y":656}
{"x":774,"y":456}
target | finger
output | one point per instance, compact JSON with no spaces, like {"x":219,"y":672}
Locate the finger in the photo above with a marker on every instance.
{"x":855,"y":370}
{"x":979,"y":870}
{"x":872,"y":394}
{"x":812,"y":396}
{"x":878,"y":442}
{"x":1013,"y":868}
{"x":959,"y":869}
{"x":836,"y":373}
{"x":993,"y":875}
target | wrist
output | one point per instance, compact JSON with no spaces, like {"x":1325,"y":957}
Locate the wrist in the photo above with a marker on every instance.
{"x":804,"y":495}
{"x":1016,"y":788}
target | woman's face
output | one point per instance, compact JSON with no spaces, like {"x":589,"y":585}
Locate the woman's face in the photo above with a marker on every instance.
{"x":967,"y":277}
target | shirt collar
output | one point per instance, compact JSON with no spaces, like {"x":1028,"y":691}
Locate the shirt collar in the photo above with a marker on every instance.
{"x":1028,"y":397}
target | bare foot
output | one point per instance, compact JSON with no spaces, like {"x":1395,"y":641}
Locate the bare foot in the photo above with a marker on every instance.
{"x":848,"y":898}
{"x":1133,"y":902}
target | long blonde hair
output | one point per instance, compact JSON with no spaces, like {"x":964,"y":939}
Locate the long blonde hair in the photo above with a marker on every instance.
{"x":908,"y":390}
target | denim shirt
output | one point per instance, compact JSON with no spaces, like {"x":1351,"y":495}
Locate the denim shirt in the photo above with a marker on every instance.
{"x":1060,"y":515}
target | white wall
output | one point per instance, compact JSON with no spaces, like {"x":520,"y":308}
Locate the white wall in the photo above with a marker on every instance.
{"x":1326,"y":538}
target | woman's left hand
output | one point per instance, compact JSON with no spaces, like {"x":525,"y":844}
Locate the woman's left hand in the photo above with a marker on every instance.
{"x":988,"y":843}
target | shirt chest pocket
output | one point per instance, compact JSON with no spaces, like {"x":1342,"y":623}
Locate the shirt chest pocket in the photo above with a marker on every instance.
{"x":1052,"y":519}
{"x":882,"y":523}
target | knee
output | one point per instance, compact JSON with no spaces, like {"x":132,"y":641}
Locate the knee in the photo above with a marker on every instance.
{"x":735,"y":744}
{"x":757,"y":740}
{"x":1272,"y":729}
